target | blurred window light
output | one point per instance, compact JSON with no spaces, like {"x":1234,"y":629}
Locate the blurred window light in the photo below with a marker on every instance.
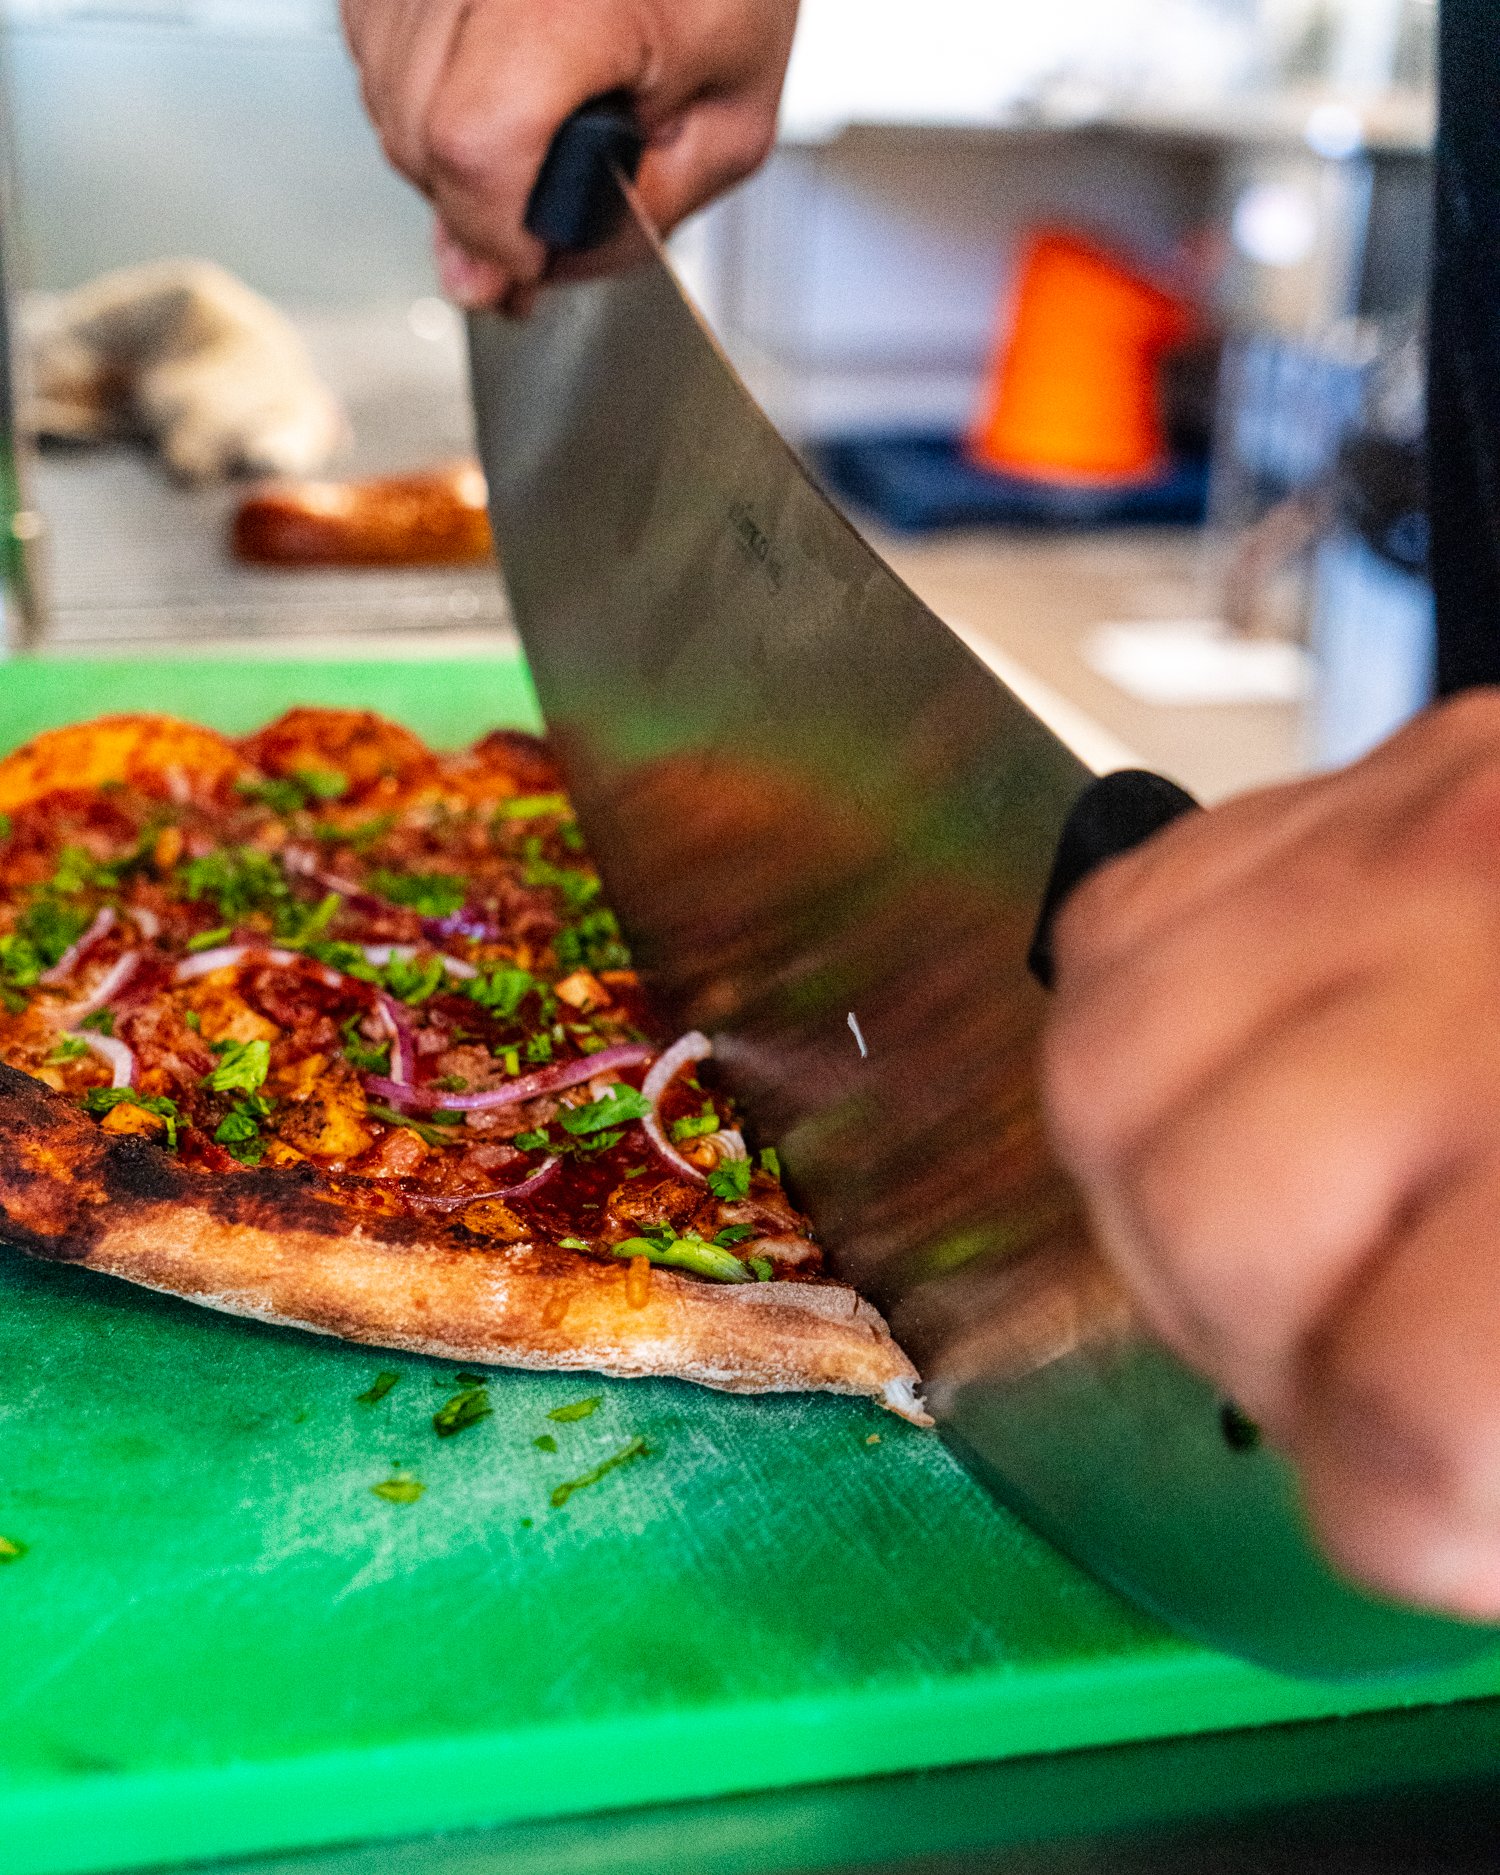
{"x":1275,"y":224}
{"x":1335,"y":131}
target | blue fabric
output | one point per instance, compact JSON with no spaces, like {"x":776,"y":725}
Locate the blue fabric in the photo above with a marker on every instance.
{"x":916,"y":481}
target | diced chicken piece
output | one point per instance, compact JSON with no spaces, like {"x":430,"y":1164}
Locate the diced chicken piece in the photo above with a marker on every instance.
{"x":582,"y":991}
{"x":128,"y":1118}
{"x":225,"y":1016}
{"x":331,"y":1124}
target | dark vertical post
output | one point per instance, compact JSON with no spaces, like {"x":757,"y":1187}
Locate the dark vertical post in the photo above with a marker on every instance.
{"x":1464,"y":375}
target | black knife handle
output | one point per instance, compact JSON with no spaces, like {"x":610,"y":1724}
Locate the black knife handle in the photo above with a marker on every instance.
{"x":1112,"y":815}
{"x":575,"y":205}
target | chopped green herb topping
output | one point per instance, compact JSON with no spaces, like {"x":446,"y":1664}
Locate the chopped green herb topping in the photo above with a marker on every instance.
{"x":11,"y":1550}
{"x":578,"y":888}
{"x":102,"y":1022}
{"x":103,"y":1099}
{"x":68,"y":1048}
{"x":462,"y":1411}
{"x":414,"y":979}
{"x":369,"y":1057}
{"x":451,"y":1084}
{"x":289,"y":794}
{"x":762,"y":1268}
{"x":50,"y":927}
{"x":300,"y":924}
{"x":239,"y":1131}
{"x":661,"y":1244}
{"x":697,"y":1125}
{"x":400,"y":1488}
{"x":573,"y":1243}
{"x":504,"y":989}
{"x":619,"y":1106}
{"x":532,"y":1142}
{"x":539,"y":1048}
{"x":341,"y":956}
{"x":239,"y":879}
{"x":577,"y":1409}
{"x":374,"y":1394}
{"x":433,"y":894}
{"x":731,"y":1180}
{"x":544,"y":1442}
{"x":243,"y":1067}
{"x":209,"y":940}
{"x":733,"y":1234}
{"x":631,"y":1450}
{"x":361,"y":836}
{"x":770,"y":1162}
{"x":510,"y":1060}
{"x":593,"y":943}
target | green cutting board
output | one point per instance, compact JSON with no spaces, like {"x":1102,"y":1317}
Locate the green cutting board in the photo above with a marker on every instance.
{"x":219,"y":1639}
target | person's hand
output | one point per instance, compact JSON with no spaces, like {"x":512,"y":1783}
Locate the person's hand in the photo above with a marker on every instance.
{"x":1274,"y":1067}
{"x":467,"y":95}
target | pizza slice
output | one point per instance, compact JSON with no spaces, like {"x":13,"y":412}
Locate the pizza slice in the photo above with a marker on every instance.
{"x":329,"y":1030}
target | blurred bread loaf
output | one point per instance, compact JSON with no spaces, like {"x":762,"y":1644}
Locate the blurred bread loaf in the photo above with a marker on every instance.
{"x":183,"y":353}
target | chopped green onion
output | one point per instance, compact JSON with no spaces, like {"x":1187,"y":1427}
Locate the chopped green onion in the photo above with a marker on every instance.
{"x":696,"y":1125}
{"x":435,"y":1130}
{"x":373,"y":1395}
{"x":462,"y":1411}
{"x":544,"y":1442}
{"x":631,"y":1450}
{"x":577,"y":1409}
{"x":532,"y":806}
{"x":11,"y":1550}
{"x":400,"y":1488}
{"x":762,"y":1268}
{"x":685,"y":1253}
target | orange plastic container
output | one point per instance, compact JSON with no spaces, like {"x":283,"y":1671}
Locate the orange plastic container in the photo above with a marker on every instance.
{"x":1071,"y":392}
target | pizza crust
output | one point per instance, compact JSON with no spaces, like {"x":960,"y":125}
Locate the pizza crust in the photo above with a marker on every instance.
{"x":277,"y":1247}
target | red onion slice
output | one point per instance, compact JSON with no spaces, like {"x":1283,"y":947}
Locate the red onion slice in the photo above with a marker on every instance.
{"x":692,"y":1047}
{"x":147,"y":922}
{"x":448,"y":1201}
{"x":381,"y":954}
{"x":403,"y":1038}
{"x":227,"y":956}
{"x":104,"y":920}
{"x":545,"y":1081}
{"x":463,"y":924}
{"x":108,"y":986}
{"x":730,"y":1143}
{"x":120,"y":1058}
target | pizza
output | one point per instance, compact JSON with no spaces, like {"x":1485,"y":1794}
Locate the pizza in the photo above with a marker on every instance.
{"x":326,"y":1029}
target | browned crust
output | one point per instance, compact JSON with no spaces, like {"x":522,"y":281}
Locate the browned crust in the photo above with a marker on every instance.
{"x":155,"y":753}
{"x":276,"y":1246}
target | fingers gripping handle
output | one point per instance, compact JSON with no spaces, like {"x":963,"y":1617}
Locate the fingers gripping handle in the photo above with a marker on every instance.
{"x":575,"y":204}
{"x":1112,"y":815}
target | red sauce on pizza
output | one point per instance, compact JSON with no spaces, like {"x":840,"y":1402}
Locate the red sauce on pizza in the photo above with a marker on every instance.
{"x":329,"y":948}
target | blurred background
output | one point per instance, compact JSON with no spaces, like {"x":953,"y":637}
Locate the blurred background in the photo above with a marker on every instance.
{"x":1102,"y":318}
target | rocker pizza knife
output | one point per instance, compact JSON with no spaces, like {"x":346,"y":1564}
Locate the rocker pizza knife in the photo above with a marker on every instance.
{"x":828,"y":831}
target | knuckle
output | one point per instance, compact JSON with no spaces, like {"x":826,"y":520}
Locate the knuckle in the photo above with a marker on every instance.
{"x":460,"y":143}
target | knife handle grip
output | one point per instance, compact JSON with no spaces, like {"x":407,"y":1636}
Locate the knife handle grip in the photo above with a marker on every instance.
{"x":575,"y":204}
{"x":1112,"y":815}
